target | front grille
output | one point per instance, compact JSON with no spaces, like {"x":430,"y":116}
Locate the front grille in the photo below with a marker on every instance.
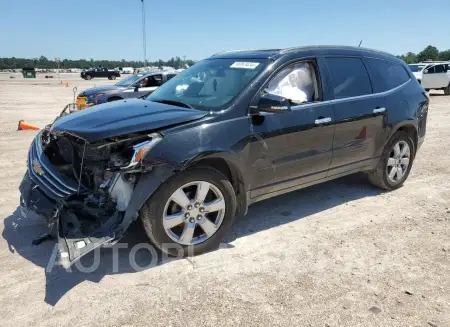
{"x":49,"y":180}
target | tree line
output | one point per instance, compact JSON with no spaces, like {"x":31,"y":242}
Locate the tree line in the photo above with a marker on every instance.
{"x":429,"y":53}
{"x":43,"y":63}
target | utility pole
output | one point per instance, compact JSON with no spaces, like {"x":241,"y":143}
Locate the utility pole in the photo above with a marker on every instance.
{"x":57,"y":62}
{"x":144,"y":38}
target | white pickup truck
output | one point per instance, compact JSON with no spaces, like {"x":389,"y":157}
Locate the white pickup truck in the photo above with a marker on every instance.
{"x":437,"y":77}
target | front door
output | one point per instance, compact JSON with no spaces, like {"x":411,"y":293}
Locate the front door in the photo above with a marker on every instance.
{"x":292,"y":148}
{"x":435,"y":77}
{"x":151,"y":83}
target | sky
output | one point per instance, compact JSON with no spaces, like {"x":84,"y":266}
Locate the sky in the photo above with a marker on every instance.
{"x":112,"y":29}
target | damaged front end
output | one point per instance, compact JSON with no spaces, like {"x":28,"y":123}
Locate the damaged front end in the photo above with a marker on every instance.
{"x":84,"y":189}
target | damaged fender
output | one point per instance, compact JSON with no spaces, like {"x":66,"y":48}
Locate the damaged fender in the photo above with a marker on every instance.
{"x":72,"y":249}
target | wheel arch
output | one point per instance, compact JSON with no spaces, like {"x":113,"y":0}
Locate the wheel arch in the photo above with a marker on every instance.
{"x":149,"y":182}
{"x":410,"y":128}
{"x":230,"y":167}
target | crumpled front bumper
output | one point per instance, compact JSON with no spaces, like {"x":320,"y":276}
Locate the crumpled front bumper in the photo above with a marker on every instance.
{"x":32,"y":198}
{"x":43,"y":187}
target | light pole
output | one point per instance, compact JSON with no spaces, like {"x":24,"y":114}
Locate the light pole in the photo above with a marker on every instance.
{"x":57,"y":62}
{"x":144,"y":38}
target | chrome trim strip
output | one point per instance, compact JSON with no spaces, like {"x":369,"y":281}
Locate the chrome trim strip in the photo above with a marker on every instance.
{"x":30,"y":170}
{"x":48,"y":179}
{"x":365,"y":96}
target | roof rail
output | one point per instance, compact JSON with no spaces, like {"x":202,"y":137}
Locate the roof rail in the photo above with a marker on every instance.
{"x":243,"y":50}
{"x":293,"y":49}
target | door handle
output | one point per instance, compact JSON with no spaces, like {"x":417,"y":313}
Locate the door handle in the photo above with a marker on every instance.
{"x":322,"y":120}
{"x":378,"y":110}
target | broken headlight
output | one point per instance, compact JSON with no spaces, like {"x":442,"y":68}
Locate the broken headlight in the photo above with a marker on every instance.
{"x":141,"y":149}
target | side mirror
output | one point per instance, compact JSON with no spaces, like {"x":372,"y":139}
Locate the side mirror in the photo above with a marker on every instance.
{"x":273,"y":103}
{"x":136,"y":88}
{"x":425,"y":71}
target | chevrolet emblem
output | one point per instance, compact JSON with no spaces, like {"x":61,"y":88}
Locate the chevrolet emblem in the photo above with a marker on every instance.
{"x":37,"y":168}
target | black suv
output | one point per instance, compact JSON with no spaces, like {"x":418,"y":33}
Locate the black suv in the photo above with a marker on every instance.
{"x":99,"y":72}
{"x":234,"y":129}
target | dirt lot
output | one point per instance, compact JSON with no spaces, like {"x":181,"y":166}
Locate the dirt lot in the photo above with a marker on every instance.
{"x":338,"y":254}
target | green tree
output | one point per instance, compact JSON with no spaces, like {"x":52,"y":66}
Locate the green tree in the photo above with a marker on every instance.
{"x":444,"y":55}
{"x":429,"y":53}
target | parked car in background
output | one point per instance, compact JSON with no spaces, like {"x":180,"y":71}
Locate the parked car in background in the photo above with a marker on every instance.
{"x":127,"y":70}
{"x":437,"y":77}
{"x":417,"y":70}
{"x":232,"y":130}
{"x":99,"y":73}
{"x":131,"y":87}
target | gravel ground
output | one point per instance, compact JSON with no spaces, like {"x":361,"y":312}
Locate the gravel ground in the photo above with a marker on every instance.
{"x":338,"y":254}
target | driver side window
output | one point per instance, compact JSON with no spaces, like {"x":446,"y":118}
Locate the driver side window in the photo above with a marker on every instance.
{"x":296,"y":83}
{"x":153,"y":81}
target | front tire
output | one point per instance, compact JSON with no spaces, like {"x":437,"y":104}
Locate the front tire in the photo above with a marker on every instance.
{"x":395,"y":162}
{"x":88,"y":77}
{"x":190,"y":213}
{"x":113,"y":77}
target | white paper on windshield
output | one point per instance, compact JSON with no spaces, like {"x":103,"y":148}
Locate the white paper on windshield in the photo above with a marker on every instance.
{"x":245,"y":65}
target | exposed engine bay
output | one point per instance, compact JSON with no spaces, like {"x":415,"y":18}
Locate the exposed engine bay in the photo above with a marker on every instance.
{"x":88,"y":185}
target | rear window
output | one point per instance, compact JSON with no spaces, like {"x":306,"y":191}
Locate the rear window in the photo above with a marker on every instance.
{"x":349,"y":77}
{"x":387,"y":74}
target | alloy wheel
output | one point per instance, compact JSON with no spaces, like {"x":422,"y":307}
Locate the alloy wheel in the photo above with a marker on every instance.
{"x":398,"y":161}
{"x":194,"y":213}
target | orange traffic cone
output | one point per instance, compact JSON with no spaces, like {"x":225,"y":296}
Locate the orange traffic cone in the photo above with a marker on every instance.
{"x":67,"y":84}
{"x":24,"y":126}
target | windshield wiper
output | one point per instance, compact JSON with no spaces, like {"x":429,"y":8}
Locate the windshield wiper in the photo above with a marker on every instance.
{"x":175,"y":103}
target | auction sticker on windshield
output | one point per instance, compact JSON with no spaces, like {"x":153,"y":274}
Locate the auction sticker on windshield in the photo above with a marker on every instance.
{"x":245,"y":65}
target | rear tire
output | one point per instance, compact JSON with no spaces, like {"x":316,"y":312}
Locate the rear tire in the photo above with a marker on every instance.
{"x":447,"y":90}
{"x":113,"y":77}
{"x":395,"y":162}
{"x":172,"y":240}
{"x":88,"y":77}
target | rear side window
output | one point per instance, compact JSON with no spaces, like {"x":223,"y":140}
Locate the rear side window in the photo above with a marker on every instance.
{"x":387,"y":74}
{"x":349,"y":77}
{"x":439,"y":69}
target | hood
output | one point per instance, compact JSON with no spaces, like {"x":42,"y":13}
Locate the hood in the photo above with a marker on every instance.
{"x":418,"y":74}
{"x":100,"y":89}
{"x":123,"y":117}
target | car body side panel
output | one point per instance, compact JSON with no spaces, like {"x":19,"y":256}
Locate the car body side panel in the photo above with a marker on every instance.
{"x":187,"y":144}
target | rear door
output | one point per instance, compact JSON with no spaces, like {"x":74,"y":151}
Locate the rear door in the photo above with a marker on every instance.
{"x":359,"y":114}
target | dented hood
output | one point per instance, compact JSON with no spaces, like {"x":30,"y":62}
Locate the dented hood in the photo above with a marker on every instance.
{"x":123,"y":117}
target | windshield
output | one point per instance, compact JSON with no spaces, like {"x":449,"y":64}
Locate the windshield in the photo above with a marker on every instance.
{"x":416,"y":68}
{"x":211,"y":84}
{"x":129,"y":80}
